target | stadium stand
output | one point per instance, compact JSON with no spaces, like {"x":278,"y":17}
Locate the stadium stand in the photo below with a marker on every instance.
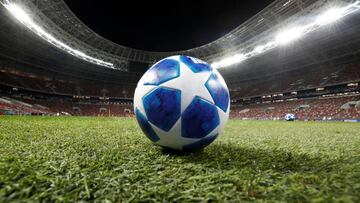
{"x":295,"y":81}
{"x":331,"y":108}
{"x":56,"y":85}
{"x":29,"y":106}
{"x":258,"y":98}
{"x":10,"y":106}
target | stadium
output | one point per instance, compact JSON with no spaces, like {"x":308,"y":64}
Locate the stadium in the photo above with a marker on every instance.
{"x":68,"y":130}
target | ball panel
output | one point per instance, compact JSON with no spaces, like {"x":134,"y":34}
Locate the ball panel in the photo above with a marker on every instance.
{"x":172,"y":138}
{"x":195,"y":67}
{"x":201,"y":143}
{"x":162,"y":107}
{"x":145,"y":126}
{"x":140,"y":91}
{"x":199,"y":119}
{"x":191,"y":84}
{"x":163,"y":71}
{"x":223,"y":117}
{"x":218,"y":92}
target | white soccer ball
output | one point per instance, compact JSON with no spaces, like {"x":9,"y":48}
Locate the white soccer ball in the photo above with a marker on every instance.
{"x":182,"y":103}
{"x":289,"y":117}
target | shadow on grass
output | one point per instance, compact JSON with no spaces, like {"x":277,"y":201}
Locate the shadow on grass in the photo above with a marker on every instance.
{"x":173,"y":152}
{"x":228,"y":157}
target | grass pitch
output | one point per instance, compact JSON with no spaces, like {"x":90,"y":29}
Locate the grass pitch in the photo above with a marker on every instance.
{"x":69,"y":159}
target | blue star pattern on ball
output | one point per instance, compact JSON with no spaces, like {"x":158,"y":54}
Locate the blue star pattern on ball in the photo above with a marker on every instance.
{"x":182,"y":103}
{"x":200,"y":144}
{"x":163,"y":71}
{"x":162,"y":107}
{"x":195,"y":65}
{"x":145,"y":126}
{"x":218,"y":92}
{"x":199,"y":119}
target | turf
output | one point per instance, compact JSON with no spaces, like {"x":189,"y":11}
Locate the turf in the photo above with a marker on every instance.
{"x":69,"y":159}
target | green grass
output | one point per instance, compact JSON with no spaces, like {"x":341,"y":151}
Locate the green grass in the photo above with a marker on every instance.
{"x":69,"y":159}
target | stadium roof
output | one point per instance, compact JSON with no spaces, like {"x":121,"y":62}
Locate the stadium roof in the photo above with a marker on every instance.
{"x":165,"y":26}
{"x":62,"y":28}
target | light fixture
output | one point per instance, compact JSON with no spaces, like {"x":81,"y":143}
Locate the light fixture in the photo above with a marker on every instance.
{"x":229,"y":60}
{"x":26,"y":20}
{"x":259,"y":49}
{"x":330,"y":16}
{"x":289,"y":35}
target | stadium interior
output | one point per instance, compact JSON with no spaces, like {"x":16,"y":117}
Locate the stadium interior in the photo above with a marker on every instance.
{"x":294,"y":56}
{"x":322,"y":69}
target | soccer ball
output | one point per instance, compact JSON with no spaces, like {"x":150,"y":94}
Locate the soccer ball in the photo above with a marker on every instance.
{"x":182,"y":103}
{"x":289,"y":117}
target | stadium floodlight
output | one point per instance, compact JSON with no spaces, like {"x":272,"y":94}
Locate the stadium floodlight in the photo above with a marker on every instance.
{"x":292,"y":34}
{"x":26,"y":20}
{"x":262,"y":48}
{"x":19,"y":13}
{"x":259,"y":49}
{"x":330,"y":16}
{"x":229,"y":60}
{"x":287,"y":36}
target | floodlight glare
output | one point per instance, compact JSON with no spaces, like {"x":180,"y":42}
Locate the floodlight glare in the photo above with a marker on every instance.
{"x":290,"y":35}
{"x":330,"y":16}
{"x":26,"y":20}
{"x":229,"y":61}
{"x":18,"y":13}
{"x":259,"y":49}
{"x":233,"y":59}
